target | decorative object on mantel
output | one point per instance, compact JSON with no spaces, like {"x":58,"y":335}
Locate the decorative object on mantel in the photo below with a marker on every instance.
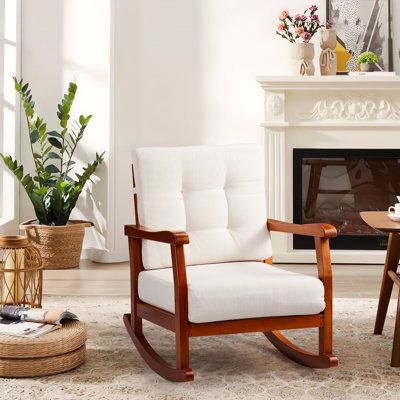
{"x":367,"y":61}
{"x":362,"y":25}
{"x":53,"y":191}
{"x":302,"y":58}
{"x":20,"y":272}
{"x":299,"y":30}
{"x":328,"y":59}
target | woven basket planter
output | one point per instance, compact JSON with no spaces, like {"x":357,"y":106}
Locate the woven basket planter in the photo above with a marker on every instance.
{"x":59,"y":246}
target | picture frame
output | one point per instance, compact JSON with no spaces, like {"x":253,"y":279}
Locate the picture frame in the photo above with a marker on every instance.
{"x":362,"y":25}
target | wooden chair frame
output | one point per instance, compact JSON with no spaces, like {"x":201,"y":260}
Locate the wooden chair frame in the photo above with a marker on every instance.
{"x":184,"y":329}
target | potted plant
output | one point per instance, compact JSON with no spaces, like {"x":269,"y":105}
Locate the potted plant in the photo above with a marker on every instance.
{"x":299,"y":30}
{"x":53,"y":190}
{"x":367,"y":60}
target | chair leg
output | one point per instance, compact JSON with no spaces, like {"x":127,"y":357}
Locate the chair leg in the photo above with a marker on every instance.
{"x":182,"y":350}
{"x":180,"y":373}
{"x":325,"y":333}
{"x":396,"y":339}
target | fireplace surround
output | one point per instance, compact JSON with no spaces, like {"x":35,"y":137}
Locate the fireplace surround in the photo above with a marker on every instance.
{"x":329,"y":112}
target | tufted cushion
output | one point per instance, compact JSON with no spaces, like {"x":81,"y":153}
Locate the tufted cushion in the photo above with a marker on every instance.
{"x":220,"y":292}
{"x":215,"y":193}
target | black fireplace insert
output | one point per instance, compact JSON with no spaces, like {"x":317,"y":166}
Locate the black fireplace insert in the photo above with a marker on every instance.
{"x":334,"y":185}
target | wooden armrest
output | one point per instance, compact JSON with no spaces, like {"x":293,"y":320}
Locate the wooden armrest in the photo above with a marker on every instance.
{"x":171,"y":237}
{"x":316,"y":230}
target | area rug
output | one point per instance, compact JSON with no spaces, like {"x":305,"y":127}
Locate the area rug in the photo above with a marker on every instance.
{"x":225,"y":367}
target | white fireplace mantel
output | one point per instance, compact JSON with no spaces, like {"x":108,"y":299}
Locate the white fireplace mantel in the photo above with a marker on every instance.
{"x":328,"y":82}
{"x":323,"y":112}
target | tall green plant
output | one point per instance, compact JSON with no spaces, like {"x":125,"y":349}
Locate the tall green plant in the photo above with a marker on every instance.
{"x":52,"y":190}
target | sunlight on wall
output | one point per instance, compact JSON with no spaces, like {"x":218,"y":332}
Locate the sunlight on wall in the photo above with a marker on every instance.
{"x":9,"y":25}
{"x":86,"y":58}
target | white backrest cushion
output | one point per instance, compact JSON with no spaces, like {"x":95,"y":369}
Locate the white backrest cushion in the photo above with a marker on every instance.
{"x":214,"y":193}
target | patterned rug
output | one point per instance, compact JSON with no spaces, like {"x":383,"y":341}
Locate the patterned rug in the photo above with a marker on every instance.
{"x":225,"y":367}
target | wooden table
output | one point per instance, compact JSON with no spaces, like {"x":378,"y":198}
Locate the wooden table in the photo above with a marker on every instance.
{"x":380,"y":221}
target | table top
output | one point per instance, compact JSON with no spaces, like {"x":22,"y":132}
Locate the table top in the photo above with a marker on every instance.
{"x":379,"y":220}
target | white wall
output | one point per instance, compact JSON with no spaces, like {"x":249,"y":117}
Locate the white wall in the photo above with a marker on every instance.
{"x":10,"y":51}
{"x":179,"y":72}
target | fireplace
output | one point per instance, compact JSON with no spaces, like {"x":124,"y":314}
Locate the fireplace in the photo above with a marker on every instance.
{"x":334,"y":185}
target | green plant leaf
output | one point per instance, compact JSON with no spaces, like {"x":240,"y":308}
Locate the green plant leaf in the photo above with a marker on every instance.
{"x":55,"y":142}
{"x":54,"y":133}
{"x":34,"y":136}
{"x":45,"y":151}
{"x":52,"y":169}
{"x":53,"y":155}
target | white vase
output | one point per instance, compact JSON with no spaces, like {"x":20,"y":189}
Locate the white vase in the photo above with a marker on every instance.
{"x":328,"y":58}
{"x":302,"y":58}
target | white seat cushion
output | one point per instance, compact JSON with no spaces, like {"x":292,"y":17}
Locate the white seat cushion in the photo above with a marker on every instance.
{"x":215,"y":193}
{"x":237,"y":290}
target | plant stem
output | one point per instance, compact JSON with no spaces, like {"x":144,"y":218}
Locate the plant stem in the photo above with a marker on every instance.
{"x":62,"y":154}
{"x":33,"y":153}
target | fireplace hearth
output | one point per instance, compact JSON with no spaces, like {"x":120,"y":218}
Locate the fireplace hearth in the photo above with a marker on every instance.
{"x":334,"y":185}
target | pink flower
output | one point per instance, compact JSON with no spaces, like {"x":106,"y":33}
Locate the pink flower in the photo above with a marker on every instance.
{"x":283,"y":15}
{"x":306,"y":36}
{"x":313,"y":8}
{"x":303,"y":18}
{"x":314,"y":18}
{"x":329,"y":24}
{"x":299,"y":30}
{"x":280,"y":26}
{"x":297,"y":17}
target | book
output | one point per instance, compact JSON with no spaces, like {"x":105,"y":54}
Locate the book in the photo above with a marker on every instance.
{"x":373,"y":73}
{"x":31,"y":322}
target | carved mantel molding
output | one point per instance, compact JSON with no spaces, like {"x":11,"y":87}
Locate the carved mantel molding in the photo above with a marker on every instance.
{"x":352,"y":108}
{"x":332,"y":101}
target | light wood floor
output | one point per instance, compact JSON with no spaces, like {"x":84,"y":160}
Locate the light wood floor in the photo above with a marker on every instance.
{"x":113,"y":279}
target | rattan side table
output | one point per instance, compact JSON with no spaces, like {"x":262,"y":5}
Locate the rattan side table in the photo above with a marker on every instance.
{"x":56,"y":352}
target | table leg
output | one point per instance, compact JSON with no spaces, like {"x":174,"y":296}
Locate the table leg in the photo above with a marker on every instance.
{"x":391,"y":264}
{"x":396,"y":339}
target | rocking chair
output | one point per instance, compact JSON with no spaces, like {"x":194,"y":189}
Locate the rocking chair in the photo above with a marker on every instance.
{"x":222,"y":281}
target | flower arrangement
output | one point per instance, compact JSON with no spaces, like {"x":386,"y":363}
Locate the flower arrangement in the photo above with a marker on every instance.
{"x":299,"y":28}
